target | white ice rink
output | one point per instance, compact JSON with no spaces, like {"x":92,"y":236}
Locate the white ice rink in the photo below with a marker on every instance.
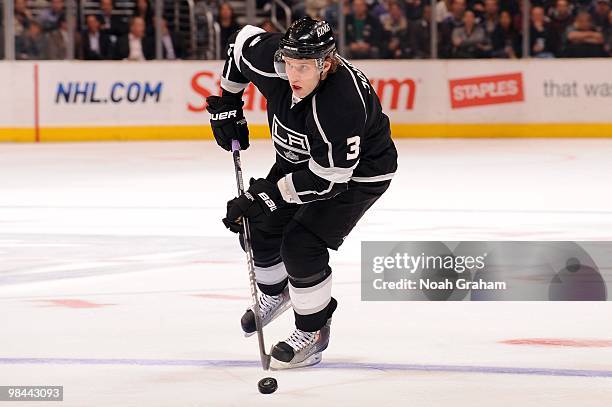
{"x":119,"y":281}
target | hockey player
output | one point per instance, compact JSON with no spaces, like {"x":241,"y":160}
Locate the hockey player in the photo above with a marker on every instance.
{"x":334,"y":159}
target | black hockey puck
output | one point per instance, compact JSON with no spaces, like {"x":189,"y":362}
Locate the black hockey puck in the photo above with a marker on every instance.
{"x":267,"y":385}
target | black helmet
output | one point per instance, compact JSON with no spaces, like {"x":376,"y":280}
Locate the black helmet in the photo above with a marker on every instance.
{"x":308,"y":39}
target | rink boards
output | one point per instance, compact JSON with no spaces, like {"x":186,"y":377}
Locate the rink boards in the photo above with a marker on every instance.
{"x":80,"y":101}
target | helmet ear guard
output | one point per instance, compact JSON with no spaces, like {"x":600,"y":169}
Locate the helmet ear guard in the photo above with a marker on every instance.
{"x":320,"y":63}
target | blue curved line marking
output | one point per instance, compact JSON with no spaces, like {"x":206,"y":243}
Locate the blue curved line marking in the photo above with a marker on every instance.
{"x":324,"y":365}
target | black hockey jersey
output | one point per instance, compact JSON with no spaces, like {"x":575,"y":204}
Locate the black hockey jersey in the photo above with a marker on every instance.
{"x":336,"y":134}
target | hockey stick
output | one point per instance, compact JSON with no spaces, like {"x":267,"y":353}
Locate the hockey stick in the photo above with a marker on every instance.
{"x":265,"y":358}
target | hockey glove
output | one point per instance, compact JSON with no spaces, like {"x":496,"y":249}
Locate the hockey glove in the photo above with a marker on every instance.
{"x":227,"y":121}
{"x":262,"y":196}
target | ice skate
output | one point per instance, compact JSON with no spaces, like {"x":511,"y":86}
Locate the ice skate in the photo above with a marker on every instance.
{"x":301,"y":349}
{"x":270,"y":307}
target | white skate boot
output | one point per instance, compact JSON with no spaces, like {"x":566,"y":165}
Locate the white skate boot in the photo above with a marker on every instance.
{"x":300,"y":349}
{"x":270,"y":307}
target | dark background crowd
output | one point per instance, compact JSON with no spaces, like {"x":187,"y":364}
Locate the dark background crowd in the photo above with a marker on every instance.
{"x":103,"y":35}
{"x":386,"y":29}
{"x":471,"y":28}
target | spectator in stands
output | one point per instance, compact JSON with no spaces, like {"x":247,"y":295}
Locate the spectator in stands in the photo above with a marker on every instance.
{"x":267,"y":26}
{"x":58,"y":42}
{"x":490,"y":16}
{"x":443,"y":10}
{"x":135,"y":46}
{"x":1,"y":40}
{"x":227,"y":21}
{"x":511,"y":6}
{"x":31,"y":44}
{"x":143,"y":10}
{"x":560,"y":18}
{"x":608,"y":36}
{"x":600,"y":14}
{"x":396,"y":29}
{"x":96,"y":44}
{"x":583,"y":4}
{"x":414,"y":9}
{"x":582,"y":39}
{"x":454,"y":20}
{"x":172,"y":47}
{"x":23,"y":17}
{"x":477,"y":6}
{"x":506,"y":41}
{"x":364,"y":33}
{"x":114,"y":25}
{"x":49,"y":18}
{"x":540,"y":36}
{"x":313,"y":8}
{"x":331,"y":12}
{"x":517,"y":17}
{"x":421,"y":34}
{"x":470,"y":40}
{"x":378,"y":8}
{"x":455,"y":17}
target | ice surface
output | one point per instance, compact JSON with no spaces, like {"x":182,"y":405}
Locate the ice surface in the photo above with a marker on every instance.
{"x":119,"y":282}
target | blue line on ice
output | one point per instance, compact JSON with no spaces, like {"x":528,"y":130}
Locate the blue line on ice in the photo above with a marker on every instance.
{"x":324,"y":365}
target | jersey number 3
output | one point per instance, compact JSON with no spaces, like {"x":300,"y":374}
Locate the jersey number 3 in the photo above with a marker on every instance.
{"x":353,"y":144}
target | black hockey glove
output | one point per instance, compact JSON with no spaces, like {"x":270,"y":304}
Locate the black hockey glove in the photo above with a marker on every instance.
{"x":227,"y":121}
{"x":262,"y":196}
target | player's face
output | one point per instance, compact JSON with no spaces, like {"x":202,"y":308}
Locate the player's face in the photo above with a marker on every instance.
{"x":303,"y":75}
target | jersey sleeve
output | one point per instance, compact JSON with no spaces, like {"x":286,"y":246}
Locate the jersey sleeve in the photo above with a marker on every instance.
{"x":250,"y":58}
{"x":336,"y":125}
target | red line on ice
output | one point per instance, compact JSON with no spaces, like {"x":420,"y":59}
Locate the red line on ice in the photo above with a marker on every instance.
{"x":576,"y":343}
{"x":68,"y":303}
{"x":221,"y":296}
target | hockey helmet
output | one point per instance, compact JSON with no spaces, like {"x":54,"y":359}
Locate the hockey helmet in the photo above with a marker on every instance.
{"x":308,"y":39}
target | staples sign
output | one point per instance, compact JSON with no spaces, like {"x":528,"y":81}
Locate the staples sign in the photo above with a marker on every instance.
{"x":486,"y":90}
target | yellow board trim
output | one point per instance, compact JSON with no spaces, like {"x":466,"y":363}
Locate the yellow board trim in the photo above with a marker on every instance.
{"x":503,"y":130}
{"x":17,"y":135}
{"x":203,"y":132}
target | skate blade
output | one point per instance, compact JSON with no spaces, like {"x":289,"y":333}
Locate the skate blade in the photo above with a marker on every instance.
{"x":309,"y":361}
{"x":277,"y":314}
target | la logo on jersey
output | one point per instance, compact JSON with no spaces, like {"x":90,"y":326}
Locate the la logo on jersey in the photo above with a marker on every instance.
{"x":290,"y":144}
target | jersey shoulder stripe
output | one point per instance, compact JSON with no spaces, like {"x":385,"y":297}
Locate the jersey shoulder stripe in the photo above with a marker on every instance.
{"x":243,"y":36}
{"x":348,"y":67}
{"x":245,"y":33}
{"x":322,"y":132}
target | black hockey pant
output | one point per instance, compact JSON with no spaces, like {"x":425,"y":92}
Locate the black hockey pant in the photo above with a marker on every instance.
{"x":291,"y":246}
